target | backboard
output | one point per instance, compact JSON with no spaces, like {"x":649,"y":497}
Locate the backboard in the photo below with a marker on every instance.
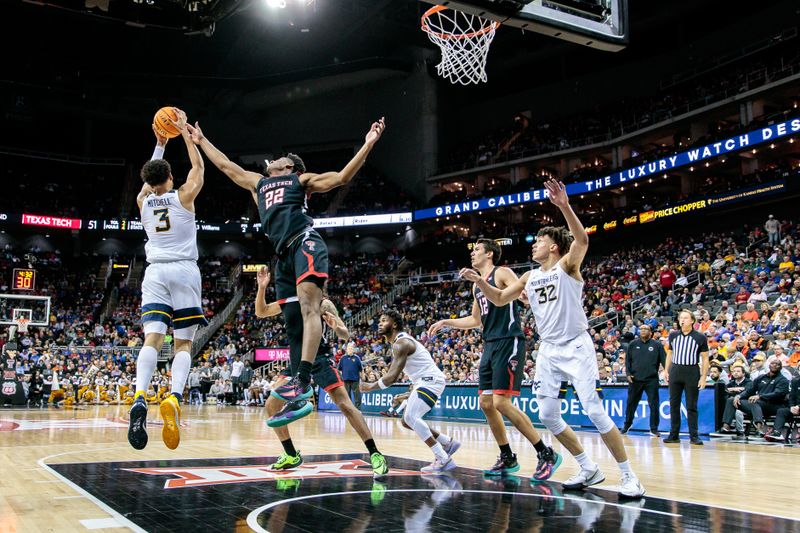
{"x":601,"y":24}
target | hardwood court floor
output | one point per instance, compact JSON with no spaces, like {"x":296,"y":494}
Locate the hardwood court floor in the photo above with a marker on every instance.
{"x":757,"y":479}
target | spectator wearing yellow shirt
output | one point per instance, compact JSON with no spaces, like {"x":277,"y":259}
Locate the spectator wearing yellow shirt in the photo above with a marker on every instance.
{"x":786,"y":265}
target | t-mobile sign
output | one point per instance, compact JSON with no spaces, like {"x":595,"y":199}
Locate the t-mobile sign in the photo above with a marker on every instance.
{"x":272,"y":354}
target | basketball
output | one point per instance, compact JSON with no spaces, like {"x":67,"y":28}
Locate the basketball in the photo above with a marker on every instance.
{"x":162,"y":124}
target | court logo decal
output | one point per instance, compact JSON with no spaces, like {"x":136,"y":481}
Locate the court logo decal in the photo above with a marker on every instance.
{"x":202,"y":476}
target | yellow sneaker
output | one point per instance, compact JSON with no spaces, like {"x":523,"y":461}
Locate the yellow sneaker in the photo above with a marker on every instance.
{"x":171,"y":415}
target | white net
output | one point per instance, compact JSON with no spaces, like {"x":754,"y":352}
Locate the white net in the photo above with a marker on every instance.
{"x":464,"y":40}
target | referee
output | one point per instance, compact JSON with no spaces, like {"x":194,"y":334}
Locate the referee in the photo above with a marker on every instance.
{"x":687,"y":352}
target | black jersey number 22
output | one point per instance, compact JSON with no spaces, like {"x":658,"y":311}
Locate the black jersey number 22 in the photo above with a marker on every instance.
{"x":546,"y":294}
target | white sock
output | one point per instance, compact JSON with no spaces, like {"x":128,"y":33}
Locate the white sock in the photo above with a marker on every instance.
{"x":391,"y":410}
{"x":625,"y":467}
{"x":180,"y":371}
{"x":443,"y":439}
{"x":585,"y":462}
{"x":438,"y":451}
{"x":145,"y":365}
{"x":402,"y":406}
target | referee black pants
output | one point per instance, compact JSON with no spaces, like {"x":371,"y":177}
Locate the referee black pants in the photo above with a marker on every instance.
{"x":635,"y":391}
{"x":683,"y":379}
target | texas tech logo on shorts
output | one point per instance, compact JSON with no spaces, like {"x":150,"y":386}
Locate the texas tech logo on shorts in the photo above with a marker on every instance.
{"x":310,"y":244}
{"x":513,"y":365}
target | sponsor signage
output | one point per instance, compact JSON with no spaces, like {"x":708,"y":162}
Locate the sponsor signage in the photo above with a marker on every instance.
{"x":630,"y":220}
{"x":591,"y":229}
{"x":462,"y":402}
{"x":269,"y":355}
{"x":610,"y":225}
{"x":252,"y":268}
{"x":500,"y":242}
{"x":732,"y":144}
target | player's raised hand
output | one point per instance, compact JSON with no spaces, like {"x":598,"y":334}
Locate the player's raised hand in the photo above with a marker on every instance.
{"x":195,"y":133}
{"x":262,"y":278}
{"x":469,"y":275}
{"x":160,"y":140}
{"x":558,"y":193}
{"x":435,"y":327}
{"x":375,"y":131}
{"x":181,"y":122}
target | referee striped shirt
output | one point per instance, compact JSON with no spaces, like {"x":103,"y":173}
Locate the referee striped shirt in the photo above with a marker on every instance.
{"x":686,"y":349}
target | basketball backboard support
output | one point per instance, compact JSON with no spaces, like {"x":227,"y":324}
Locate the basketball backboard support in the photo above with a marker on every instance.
{"x":35,"y":308}
{"x":600,"y":24}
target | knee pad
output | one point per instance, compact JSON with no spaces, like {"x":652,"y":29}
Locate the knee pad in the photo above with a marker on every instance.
{"x":598,"y":415}
{"x":550,"y":414}
{"x":415,"y":410}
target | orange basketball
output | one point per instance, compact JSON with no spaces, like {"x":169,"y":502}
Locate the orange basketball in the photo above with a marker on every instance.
{"x":162,"y":123}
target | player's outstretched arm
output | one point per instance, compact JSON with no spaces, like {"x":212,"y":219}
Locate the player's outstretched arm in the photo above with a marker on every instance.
{"x":194,"y":181}
{"x":263,"y":309}
{"x":577,"y":251}
{"x":400,"y":352}
{"x":330,"y":180}
{"x":468,"y":322}
{"x":241,"y":177}
{"x":498,"y":297}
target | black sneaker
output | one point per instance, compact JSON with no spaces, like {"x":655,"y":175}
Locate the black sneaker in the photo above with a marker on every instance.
{"x":137,"y":427}
{"x":655,"y":433}
{"x":696,"y":441}
{"x":504,"y":465}
{"x":671,"y":439}
{"x":625,"y":430}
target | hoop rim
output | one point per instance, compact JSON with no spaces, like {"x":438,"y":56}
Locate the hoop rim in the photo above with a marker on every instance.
{"x":437,"y":8}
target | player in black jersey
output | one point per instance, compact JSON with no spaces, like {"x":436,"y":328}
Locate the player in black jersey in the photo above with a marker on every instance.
{"x":302,"y":254}
{"x":501,"y":365}
{"x":325,"y":376}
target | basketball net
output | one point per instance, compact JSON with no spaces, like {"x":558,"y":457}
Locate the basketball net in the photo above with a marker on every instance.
{"x":22,"y":324}
{"x":464,"y":40}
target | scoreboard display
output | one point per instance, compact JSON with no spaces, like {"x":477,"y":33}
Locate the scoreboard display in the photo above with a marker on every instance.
{"x":24,"y":279}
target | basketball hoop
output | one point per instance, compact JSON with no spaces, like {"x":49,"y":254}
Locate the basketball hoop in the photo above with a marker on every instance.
{"x":464,"y":40}
{"x":22,"y":324}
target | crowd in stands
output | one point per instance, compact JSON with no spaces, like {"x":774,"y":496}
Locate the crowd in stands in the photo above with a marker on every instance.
{"x":527,"y":137}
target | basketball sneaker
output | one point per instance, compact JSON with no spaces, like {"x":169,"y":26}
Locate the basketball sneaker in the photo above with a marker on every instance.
{"x":290,"y":412}
{"x":549,"y":461}
{"x":452,"y":447}
{"x":286,"y":462}
{"x":137,"y":426}
{"x":171,"y":414}
{"x":504,"y":465}
{"x":292,"y":391}
{"x":630,"y":486}
{"x":584,"y":479}
{"x":380,"y":470}
{"x":438,"y":466}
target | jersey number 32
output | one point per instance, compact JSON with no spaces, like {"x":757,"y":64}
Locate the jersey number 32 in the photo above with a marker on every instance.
{"x":546,"y":294}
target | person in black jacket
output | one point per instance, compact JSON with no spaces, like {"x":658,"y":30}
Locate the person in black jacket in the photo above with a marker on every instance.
{"x":764,"y":396}
{"x":786,"y":413}
{"x":645,"y":356}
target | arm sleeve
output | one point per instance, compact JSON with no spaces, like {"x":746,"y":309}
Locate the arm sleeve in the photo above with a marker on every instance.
{"x":158,"y":153}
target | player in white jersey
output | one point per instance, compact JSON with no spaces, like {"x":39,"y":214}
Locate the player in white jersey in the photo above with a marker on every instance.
{"x":171,"y":286}
{"x":410,"y":356}
{"x":566,"y":352}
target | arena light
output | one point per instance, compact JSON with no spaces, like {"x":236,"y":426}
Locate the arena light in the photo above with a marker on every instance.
{"x":275,"y":4}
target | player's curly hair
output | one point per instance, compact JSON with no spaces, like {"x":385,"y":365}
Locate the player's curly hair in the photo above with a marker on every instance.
{"x":156,"y":172}
{"x":299,"y":166}
{"x":396,"y":317}
{"x":559,"y":235}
